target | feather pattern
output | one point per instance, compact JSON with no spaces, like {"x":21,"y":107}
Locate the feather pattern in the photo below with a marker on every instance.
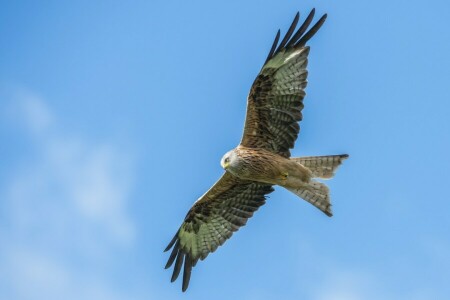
{"x":275,"y":100}
{"x":212,"y":220}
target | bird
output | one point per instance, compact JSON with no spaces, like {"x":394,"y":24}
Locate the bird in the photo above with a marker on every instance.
{"x":262,"y":159}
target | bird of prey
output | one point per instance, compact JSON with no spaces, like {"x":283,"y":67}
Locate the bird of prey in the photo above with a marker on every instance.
{"x":262,"y":159}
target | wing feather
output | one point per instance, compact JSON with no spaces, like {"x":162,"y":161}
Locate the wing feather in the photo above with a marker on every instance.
{"x":274,"y":45}
{"x":302,"y":28}
{"x":312,"y":31}
{"x":212,"y":220}
{"x":275,"y":100}
{"x":289,"y":32}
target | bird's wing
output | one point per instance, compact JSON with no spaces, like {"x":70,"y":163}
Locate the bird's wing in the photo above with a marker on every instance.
{"x":275,"y":100}
{"x":212,"y":220}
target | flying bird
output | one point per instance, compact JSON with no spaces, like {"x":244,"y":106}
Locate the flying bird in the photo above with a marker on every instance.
{"x":262,"y":159}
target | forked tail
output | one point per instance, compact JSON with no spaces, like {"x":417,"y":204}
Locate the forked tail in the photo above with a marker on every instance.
{"x":321,"y":166}
{"x":315,"y":193}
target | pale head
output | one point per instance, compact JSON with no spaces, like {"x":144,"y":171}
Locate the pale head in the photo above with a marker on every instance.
{"x":229,"y":160}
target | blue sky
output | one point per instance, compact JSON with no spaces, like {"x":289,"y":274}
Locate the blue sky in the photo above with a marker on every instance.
{"x":105,"y":106}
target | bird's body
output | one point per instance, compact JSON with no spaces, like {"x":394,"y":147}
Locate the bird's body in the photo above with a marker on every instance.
{"x":295,"y":174}
{"x":262,"y":159}
{"x":266,"y":167}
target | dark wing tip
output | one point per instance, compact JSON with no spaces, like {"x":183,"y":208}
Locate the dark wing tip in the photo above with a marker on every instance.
{"x":182,"y":258}
{"x":288,"y":34}
{"x":301,"y":30}
{"x":274,"y":45}
{"x":304,"y":39}
{"x":172,"y":256}
{"x":172,"y":242}
{"x":178,"y":255}
{"x":178,"y":264}
{"x":186,"y":272}
{"x":298,"y":39}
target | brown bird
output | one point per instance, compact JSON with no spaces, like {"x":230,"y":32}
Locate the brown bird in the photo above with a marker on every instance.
{"x":262,"y":159}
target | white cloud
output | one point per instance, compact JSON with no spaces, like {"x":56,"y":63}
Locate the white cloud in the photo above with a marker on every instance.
{"x":350,"y":284}
{"x":356,"y":285}
{"x":330,"y":280}
{"x":33,"y":112}
{"x":345,"y":285}
{"x":65,"y":209}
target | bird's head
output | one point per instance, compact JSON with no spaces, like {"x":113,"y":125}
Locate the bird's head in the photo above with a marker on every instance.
{"x":228,"y":159}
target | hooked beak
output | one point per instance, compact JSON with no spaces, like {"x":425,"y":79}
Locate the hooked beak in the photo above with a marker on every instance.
{"x":224,"y":164}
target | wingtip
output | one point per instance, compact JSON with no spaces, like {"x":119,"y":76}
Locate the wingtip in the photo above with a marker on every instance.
{"x":172,"y":257}
{"x":186,"y":272}
{"x":177,"y":268}
{"x":172,"y":242}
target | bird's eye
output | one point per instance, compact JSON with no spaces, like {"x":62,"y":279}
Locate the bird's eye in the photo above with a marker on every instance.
{"x":227,"y":160}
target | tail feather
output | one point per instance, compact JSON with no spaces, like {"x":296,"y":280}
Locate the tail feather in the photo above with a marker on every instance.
{"x":315,"y":193}
{"x":321,"y":166}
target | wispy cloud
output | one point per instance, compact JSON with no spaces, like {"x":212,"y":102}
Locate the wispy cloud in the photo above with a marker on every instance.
{"x":65,"y":209}
{"x":33,"y":111}
{"x":347,"y":284}
{"x":365,"y":283}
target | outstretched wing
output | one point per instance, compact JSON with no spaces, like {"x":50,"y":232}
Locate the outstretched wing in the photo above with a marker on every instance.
{"x":212,"y":220}
{"x":275,"y":100}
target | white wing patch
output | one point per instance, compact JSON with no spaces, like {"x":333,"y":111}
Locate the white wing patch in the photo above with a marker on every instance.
{"x":293,"y":54}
